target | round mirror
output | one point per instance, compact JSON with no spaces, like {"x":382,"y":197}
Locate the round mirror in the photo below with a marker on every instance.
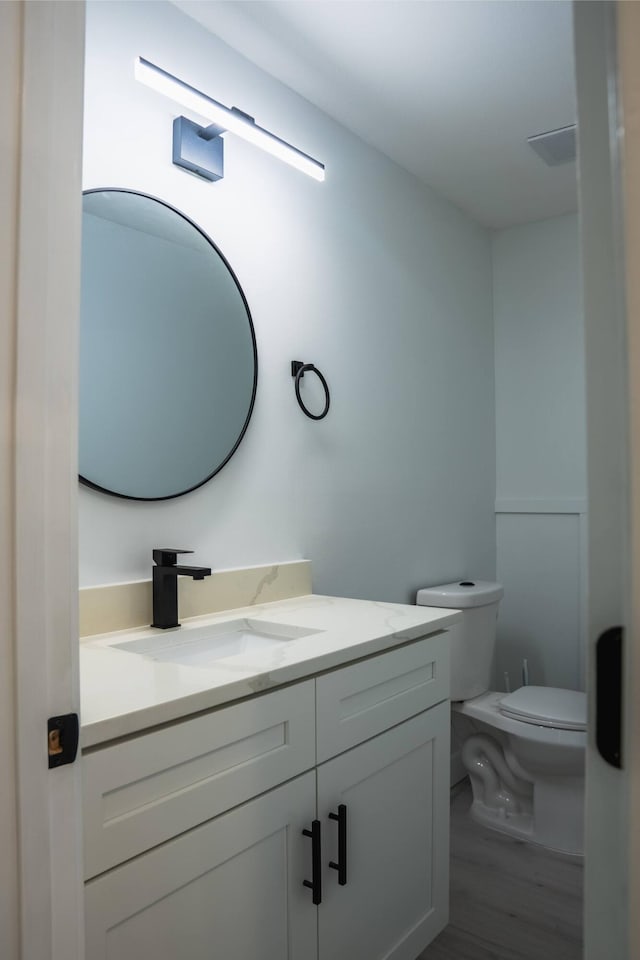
{"x":168,"y":361}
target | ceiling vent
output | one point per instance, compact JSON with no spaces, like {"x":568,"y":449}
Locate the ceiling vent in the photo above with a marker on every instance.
{"x":555,"y":147}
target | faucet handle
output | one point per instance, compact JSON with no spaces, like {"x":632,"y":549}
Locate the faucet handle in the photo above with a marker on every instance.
{"x":167,"y":556}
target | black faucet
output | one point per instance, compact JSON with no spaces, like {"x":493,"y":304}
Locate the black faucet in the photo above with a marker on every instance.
{"x":165,"y":585}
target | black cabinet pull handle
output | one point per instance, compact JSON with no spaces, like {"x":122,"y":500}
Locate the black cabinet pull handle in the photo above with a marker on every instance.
{"x":315,"y":884}
{"x":341,"y":865}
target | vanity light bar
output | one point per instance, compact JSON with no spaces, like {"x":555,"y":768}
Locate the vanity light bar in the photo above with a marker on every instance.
{"x":226,"y":118}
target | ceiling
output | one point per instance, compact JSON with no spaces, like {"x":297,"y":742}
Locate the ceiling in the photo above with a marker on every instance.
{"x":449,"y":89}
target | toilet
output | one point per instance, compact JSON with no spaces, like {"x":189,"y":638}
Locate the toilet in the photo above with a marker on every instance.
{"x":524,"y":751}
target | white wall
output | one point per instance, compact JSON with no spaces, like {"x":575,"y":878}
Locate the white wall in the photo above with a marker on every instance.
{"x":383,"y":285}
{"x":540,"y":451}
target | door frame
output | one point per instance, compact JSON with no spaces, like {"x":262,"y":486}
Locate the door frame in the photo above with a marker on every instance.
{"x":628,"y":31}
{"x":604,"y":68}
{"x":41,"y":105}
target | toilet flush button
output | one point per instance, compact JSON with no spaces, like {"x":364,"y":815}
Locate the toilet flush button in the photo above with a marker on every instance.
{"x":467,"y":583}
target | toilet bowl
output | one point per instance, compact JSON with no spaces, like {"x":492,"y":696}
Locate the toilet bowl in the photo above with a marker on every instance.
{"x":524,"y":751}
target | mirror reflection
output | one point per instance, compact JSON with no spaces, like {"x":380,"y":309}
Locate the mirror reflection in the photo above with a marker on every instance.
{"x":168,"y":362}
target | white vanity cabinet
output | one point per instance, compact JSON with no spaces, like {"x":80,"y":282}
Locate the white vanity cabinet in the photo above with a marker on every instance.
{"x":194,"y":833}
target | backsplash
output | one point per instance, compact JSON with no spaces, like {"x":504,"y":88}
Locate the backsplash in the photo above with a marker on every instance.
{"x":120,"y":606}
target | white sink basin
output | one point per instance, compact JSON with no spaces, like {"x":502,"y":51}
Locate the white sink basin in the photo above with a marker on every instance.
{"x":202,"y":646}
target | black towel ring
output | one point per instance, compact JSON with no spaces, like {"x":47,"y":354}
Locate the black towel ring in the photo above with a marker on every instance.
{"x":298,"y":370}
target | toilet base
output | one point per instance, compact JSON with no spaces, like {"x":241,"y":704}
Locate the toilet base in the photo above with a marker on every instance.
{"x":521,"y":788}
{"x":522,"y":827}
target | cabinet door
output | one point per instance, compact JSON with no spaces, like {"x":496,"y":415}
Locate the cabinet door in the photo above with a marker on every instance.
{"x":231,"y":889}
{"x":396,"y":791}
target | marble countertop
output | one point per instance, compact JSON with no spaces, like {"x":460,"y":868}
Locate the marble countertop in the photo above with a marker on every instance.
{"x":123,"y":693}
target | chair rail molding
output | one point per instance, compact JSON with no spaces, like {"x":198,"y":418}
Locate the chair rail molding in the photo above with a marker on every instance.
{"x":566,"y":505}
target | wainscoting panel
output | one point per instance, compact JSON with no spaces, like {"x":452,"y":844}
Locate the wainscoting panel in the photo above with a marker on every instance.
{"x":541,"y":565}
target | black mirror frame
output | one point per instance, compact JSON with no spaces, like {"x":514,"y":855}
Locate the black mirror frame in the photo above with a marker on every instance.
{"x":172,"y":496}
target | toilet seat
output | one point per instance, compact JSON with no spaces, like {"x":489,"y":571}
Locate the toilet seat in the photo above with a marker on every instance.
{"x":486,"y":708}
{"x":547,"y":707}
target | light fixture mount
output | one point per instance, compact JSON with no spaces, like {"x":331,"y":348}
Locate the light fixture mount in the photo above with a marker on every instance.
{"x":198,"y":149}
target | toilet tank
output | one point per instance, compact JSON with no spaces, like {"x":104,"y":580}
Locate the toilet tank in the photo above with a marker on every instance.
{"x":472,"y":642}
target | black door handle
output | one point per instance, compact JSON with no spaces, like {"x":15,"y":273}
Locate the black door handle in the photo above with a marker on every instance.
{"x":315,"y":884}
{"x":609,"y":696}
{"x":341,"y":865}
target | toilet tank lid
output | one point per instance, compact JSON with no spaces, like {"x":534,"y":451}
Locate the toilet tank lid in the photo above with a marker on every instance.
{"x":547,"y":706}
{"x":460,"y":594}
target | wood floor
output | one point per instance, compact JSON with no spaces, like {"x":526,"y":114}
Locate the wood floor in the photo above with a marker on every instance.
{"x":509,"y":900}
